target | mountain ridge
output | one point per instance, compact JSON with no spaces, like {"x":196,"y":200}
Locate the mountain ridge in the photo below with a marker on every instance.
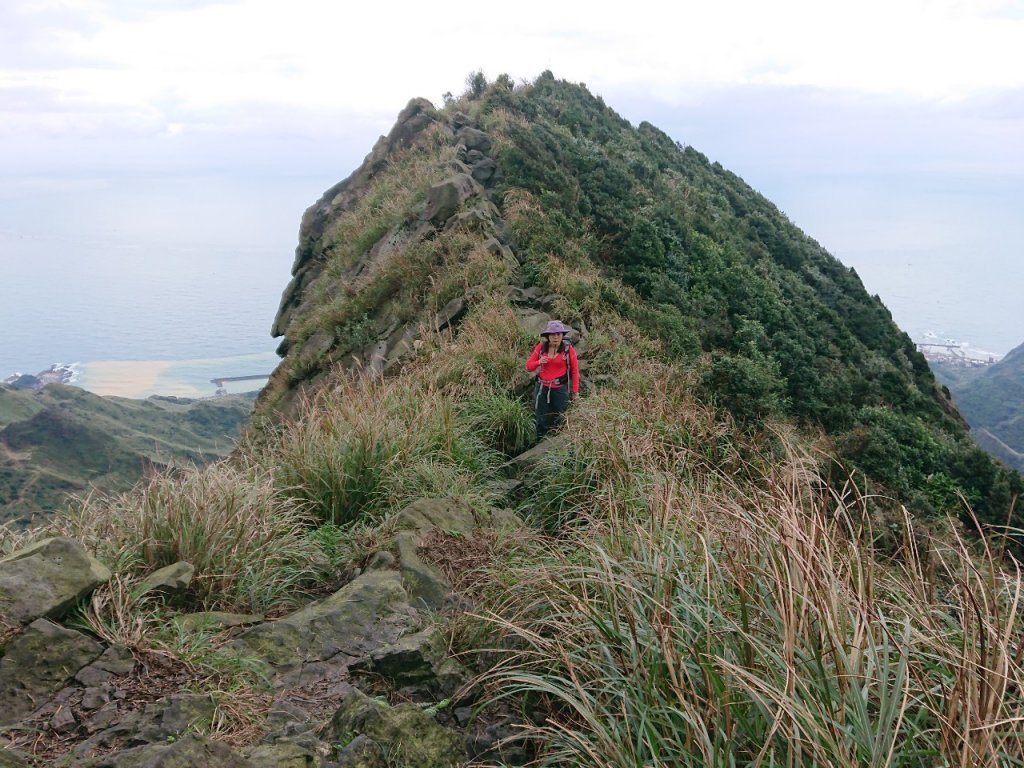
{"x":657,"y":234}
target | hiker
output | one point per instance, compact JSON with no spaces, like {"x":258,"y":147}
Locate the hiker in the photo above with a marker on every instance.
{"x":558,"y":376}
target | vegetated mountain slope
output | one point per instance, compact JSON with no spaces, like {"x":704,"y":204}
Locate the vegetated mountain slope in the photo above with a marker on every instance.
{"x":612,"y":222}
{"x":993,"y":404}
{"x":64,"y":440}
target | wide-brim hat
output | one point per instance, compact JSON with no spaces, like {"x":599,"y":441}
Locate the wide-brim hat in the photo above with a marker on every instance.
{"x":556,"y":326}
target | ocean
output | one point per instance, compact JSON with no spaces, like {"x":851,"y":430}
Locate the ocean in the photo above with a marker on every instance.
{"x":158,"y":285}
{"x":147,"y":286}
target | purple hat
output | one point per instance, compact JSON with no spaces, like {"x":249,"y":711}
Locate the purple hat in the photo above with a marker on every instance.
{"x":556,"y":326}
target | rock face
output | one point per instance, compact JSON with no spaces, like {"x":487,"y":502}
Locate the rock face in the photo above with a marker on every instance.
{"x":458,"y":204}
{"x":37,"y":664}
{"x":46,"y":579}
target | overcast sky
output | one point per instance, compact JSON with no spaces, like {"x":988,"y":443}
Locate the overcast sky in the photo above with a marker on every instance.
{"x":892,"y":131}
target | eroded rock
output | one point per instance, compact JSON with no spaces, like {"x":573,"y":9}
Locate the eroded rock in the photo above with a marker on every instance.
{"x":46,"y":579}
{"x":37,"y":664}
{"x":371,"y":611}
{"x":418,"y":661}
{"x":190,"y":751}
{"x":168,"y":580}
{"x":405,"y":733}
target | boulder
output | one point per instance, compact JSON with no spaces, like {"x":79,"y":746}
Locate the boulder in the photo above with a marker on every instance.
{"x":46,"y":579}
{"x":37,"y":664}
{"x":370,"y":611}
{"x":158,"y":722}
{"x":170,"y":579}
{"x":425,"y":584}
{"x":283,"y":754}
{"x":448,"y":514}
{"x":116,"y":661}
{"x":418,"y":661}
{"x":406,"y":734}
{"x":190,"y":751}
{"x":362,"y":752}
{"x":474,"y":139}
{"x":446,"y":197}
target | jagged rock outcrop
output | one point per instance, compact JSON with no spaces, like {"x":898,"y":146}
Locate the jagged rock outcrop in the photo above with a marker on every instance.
{"x":378,"y":630}
{"x":389,"y":333}
{"x":412,"y":121}
{"x":46,"y":579}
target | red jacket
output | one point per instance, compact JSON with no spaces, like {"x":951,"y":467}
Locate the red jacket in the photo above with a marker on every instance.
{"x":554,"y":368}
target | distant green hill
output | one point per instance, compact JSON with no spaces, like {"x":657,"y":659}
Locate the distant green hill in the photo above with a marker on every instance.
{"x":63,"y":440}
{"x":992,"y":401}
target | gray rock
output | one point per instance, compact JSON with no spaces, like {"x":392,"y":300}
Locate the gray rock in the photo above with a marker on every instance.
{"x":368,"y":612}
{"x":449,"y":514}
{"x":168,"y":580}
{"x":425,"y":584}
{"x":178,"y":713}
{"x":158,"y":722}
{"x":474,"y":139}
{"x":283,"y":754}
{"x":37,"y":664}
{"x":406,"y":734}
{"x":11,"y":759}
{"x":116,"y":661}
{"x":380,"y":561}
{"x":418,"y":661}
{"x":104,"y":718}
{"x":191,"y":751}
{"x":476,"y":219}
{"x":446,"y":197}
{"x":63,"y":721}
{"x":362,"y":752}
{"x":450,"y":313}
{"x":94,"y":698}
{"x":484,"y":170}
{"x":47,"y":579}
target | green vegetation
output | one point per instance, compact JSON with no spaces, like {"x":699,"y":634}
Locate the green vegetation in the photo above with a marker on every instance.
{"x":992,"y":401}
{"x":64,"y":440}
{"x":771,"y":323}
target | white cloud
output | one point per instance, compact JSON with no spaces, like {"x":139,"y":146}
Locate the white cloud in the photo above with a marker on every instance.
{"x":181,"y":58}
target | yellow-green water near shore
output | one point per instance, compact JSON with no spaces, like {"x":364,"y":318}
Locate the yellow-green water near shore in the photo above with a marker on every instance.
{"x":178,"y":378}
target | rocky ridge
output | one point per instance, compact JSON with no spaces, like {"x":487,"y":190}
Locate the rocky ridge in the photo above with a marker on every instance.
{"x":461,"y":201}
{"x":73,"y":699}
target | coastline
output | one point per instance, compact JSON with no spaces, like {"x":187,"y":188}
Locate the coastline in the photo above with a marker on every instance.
{"x":125,"y":378}
{"x":193,"y":379}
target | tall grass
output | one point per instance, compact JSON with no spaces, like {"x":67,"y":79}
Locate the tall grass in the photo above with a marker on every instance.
{"x":745,"y":623}
{"x":367,"y":447}
{"x":246,"y":539}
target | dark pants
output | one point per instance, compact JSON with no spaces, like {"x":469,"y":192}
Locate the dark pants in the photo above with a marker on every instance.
{"x":550,"y":405}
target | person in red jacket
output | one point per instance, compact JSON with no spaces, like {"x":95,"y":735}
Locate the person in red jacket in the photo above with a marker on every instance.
{"x":558,"y":376}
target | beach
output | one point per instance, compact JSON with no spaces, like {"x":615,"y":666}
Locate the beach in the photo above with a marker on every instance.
{"x":173,"y":378}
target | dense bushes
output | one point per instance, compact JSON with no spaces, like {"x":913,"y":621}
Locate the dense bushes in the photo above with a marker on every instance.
{"x":724,"y":282}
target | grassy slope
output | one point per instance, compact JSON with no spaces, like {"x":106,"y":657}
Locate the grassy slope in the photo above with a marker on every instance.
{"x":65,"y":440}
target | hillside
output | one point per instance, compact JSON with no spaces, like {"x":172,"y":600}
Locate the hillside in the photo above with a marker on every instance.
{"x":392,"y":572}
{"x":546,"y":188}
{"x":992,"y":401}
{"x":63,"y":440}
